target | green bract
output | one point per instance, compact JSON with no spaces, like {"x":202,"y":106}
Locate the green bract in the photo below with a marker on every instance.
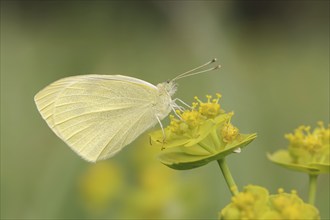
{"x":308,"y":151}
{"x":283,"y":158}
{"x":256,"y":203}
{"x":182,"y":160}
{"x":198,"y":136}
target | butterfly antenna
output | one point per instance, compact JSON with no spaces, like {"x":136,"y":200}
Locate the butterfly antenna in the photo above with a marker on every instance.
{"x":193,"y":71}
{"x":203,"y":71}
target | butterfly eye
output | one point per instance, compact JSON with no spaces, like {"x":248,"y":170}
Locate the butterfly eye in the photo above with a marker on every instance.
{"x":168,"y":81}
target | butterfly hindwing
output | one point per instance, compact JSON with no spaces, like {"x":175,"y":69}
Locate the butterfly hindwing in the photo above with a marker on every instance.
{"x":97,"y":115}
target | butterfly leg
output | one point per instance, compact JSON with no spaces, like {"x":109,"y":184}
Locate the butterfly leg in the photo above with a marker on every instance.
{"x":177,"y":115}
{"x":182,"y":102}
{"x":175,"y":106}
{"x":163,"y":131}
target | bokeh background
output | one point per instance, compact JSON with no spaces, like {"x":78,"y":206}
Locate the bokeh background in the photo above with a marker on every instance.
{"x":274,"y":76}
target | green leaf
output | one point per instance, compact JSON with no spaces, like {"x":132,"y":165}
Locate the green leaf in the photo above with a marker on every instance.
{"x":179,"y":160}
{"x":204,"y":131}
{"x":283,"y":158}
{"x":175,"y":140}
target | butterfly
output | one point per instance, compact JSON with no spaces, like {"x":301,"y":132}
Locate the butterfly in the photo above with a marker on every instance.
{"x":98,"y":115}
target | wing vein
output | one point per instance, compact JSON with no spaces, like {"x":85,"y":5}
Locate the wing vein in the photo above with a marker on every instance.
{"x":122,"y":133}
{"x":88,"y":113}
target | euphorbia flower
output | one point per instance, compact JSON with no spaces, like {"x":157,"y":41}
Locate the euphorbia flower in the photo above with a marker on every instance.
{"x":308,"y":150}
{"x":256,"y":203}
{"x":199,"y":135}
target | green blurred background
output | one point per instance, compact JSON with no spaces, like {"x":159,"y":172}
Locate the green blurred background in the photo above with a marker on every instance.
{"x":274,"y":76}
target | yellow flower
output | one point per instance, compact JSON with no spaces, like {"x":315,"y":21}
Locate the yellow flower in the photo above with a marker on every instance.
{"x":249,"y":204}
{"x":199,"y":135}
{"x":256,"y":203}
{"x":306,"y":146}
{"x":229,"y":132}
{"x":308,"y":150}
{"x":210,"y":109}
{"x":190,"y":120}
{"x":291,"y":206}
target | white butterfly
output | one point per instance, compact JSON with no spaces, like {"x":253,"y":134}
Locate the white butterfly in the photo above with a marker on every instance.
{"x":98,"y":115}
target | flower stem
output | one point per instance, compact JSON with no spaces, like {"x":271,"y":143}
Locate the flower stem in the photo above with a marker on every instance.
{"x":312,"y":188}
{"x":228,"y":177}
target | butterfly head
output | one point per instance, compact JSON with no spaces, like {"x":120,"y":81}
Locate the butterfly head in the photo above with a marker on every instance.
{"x":168,"y":87}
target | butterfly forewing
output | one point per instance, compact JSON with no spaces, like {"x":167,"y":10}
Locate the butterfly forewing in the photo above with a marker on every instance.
{"x":97,"y":115}
{"x":45,"y":99}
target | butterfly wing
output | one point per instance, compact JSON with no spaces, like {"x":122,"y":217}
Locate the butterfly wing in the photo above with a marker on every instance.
{"x":97,"y":115}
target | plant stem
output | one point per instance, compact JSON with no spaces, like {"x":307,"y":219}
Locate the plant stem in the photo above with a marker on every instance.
{"x":228,"y":177}
{"x":312,"y":188}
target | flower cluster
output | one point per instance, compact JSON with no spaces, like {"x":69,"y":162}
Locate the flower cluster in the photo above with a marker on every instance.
{"x":192,"y":122}
{"x":199,"y":135}
{"x":256,"y":203}
{"x":309,"y":146}
{"x":308,"y":150}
